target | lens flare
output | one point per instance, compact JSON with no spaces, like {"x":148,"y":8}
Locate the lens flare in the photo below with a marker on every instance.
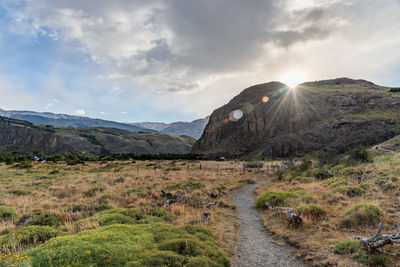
{"x":265,"y":99}
{"x":236,"y":115}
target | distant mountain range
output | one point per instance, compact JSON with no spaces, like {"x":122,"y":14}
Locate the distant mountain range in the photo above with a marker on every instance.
{"x":22,"y":136}
{"x":193,"y":129}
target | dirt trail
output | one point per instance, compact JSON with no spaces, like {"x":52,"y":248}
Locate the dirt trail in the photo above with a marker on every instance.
{"x":255,"y":245}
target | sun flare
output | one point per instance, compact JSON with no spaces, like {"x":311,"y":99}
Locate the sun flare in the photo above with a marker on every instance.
{"x":294,"y":78}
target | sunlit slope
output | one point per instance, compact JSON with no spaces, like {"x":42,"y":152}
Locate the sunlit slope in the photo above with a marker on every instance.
{"x":273,"y":120}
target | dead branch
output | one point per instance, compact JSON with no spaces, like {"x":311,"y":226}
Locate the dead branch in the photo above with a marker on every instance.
{"x":290,"y":213}
{"x":375,"y":242}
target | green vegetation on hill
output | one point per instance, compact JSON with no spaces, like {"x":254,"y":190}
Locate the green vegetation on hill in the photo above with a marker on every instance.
{"x":132,"y":245}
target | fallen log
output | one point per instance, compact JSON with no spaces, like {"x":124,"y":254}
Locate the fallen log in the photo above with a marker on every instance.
{"x":290,"y":213}
{"x":378,"y":240}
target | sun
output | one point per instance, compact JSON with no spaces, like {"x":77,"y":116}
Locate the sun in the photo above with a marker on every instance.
{"x":293,"y":78}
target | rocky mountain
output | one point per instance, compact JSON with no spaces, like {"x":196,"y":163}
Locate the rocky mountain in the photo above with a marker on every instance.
{"x":275,"y":121}
{"x":23,"y":136}
{"x":63,"y":120}
{"x":194,"y":128}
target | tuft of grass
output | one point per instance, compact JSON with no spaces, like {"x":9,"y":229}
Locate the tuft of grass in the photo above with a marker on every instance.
{"x":132,"y":245}
{"x":27,"y":237}
{"x":350,"y":191}
{"x":193,"y":184}
{"x":93,"y":191}
{"x":362,"y":215}
{"x":357,"y":252}
{"x":141,"y":215}
{"x":18,"y":192}
{"x":7,"y":213}
{"x":38,"y":218}
{"x":313,"y":211}
{"x":276,"y":198}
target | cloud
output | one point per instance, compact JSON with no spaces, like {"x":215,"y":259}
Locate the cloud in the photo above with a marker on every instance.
{"x":195,"y":55}
{"x":171,"y":45}
{"x":80,"y":112}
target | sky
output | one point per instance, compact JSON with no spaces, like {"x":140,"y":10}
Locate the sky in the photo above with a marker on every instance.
{"x":153,"y":60}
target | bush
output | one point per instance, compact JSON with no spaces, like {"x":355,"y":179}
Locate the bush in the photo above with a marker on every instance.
{"x":7,"y":213}
{"x":23,"y":165}
{"x":276,"y":198}
{"x":357,"y":252}
{"x":11,"y":259}
{"x":26,"y":237}
{"x":183,"y":185}
{"x":314,"y":211}
{"x":38,"y":218}
{"x":362,"y":215}
{"x":347,"y":247}
{"x":141,"y":215}
{"x":361,"y":154}
{"x":18,"y":192}
{"x":322,"y":173}
{"x":131,"y":245}
{"x":350,"y":191}
{"x":77,"y":208}
{"x":93,"y":191}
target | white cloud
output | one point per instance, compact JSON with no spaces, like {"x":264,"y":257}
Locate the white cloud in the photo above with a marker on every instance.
{"x":80,"y":112}
{"x":204,"y":52}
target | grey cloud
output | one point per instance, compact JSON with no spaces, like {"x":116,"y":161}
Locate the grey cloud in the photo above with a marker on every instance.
{"x":176,"y":41}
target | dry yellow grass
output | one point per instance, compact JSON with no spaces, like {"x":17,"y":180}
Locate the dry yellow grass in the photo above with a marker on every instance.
{"x":316,"y":238}
{"x":56,"y":186}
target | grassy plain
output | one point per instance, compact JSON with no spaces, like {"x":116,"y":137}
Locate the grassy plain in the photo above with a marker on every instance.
{"x":71,"y":199}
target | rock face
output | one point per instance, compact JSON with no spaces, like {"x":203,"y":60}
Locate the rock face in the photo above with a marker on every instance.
{"x":22,"y":136}
{"x":276,"y":121}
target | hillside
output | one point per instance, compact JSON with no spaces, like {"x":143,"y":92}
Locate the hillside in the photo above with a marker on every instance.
{"x":22,"y":136}
{"x":63,"y":120}
{"x":194,"y":128}
{"x":275,"y":121}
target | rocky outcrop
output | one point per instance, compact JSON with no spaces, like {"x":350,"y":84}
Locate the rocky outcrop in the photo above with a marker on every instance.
{"x":22,"y":136}
{"x":275,"y":121}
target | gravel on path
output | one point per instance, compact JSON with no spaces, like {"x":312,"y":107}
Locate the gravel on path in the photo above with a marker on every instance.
{"x":256,"y":247}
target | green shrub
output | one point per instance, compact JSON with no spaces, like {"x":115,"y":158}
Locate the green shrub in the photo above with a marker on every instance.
{"x":321,"y":173}
{"x":18,"y":192}
{"x":313,"y":211}
{"x":23,"y":165}
{"x":38,"y":218}
{"x":357,"y":252}
{"x":362,"y":215}
{"x":183,"y":185}
{"x":340,"y":169}
{"x":276,"y":198}
{"x":285,"y":176}
{"x":7,"y":213}
{"x":305,"y":197}
{"x":140,"y":215}
{"x":365,"y":186}
{"x":26,"y":237}
{"x":361,"y":154}
{"x":132,"y":245}
{"x":14,"y":260}
{"x":350,"y":191}
{"x":347,"y":247}
{"x":77,"y":208}
{"x":382,"y":180}
{"x":93,"y":191}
